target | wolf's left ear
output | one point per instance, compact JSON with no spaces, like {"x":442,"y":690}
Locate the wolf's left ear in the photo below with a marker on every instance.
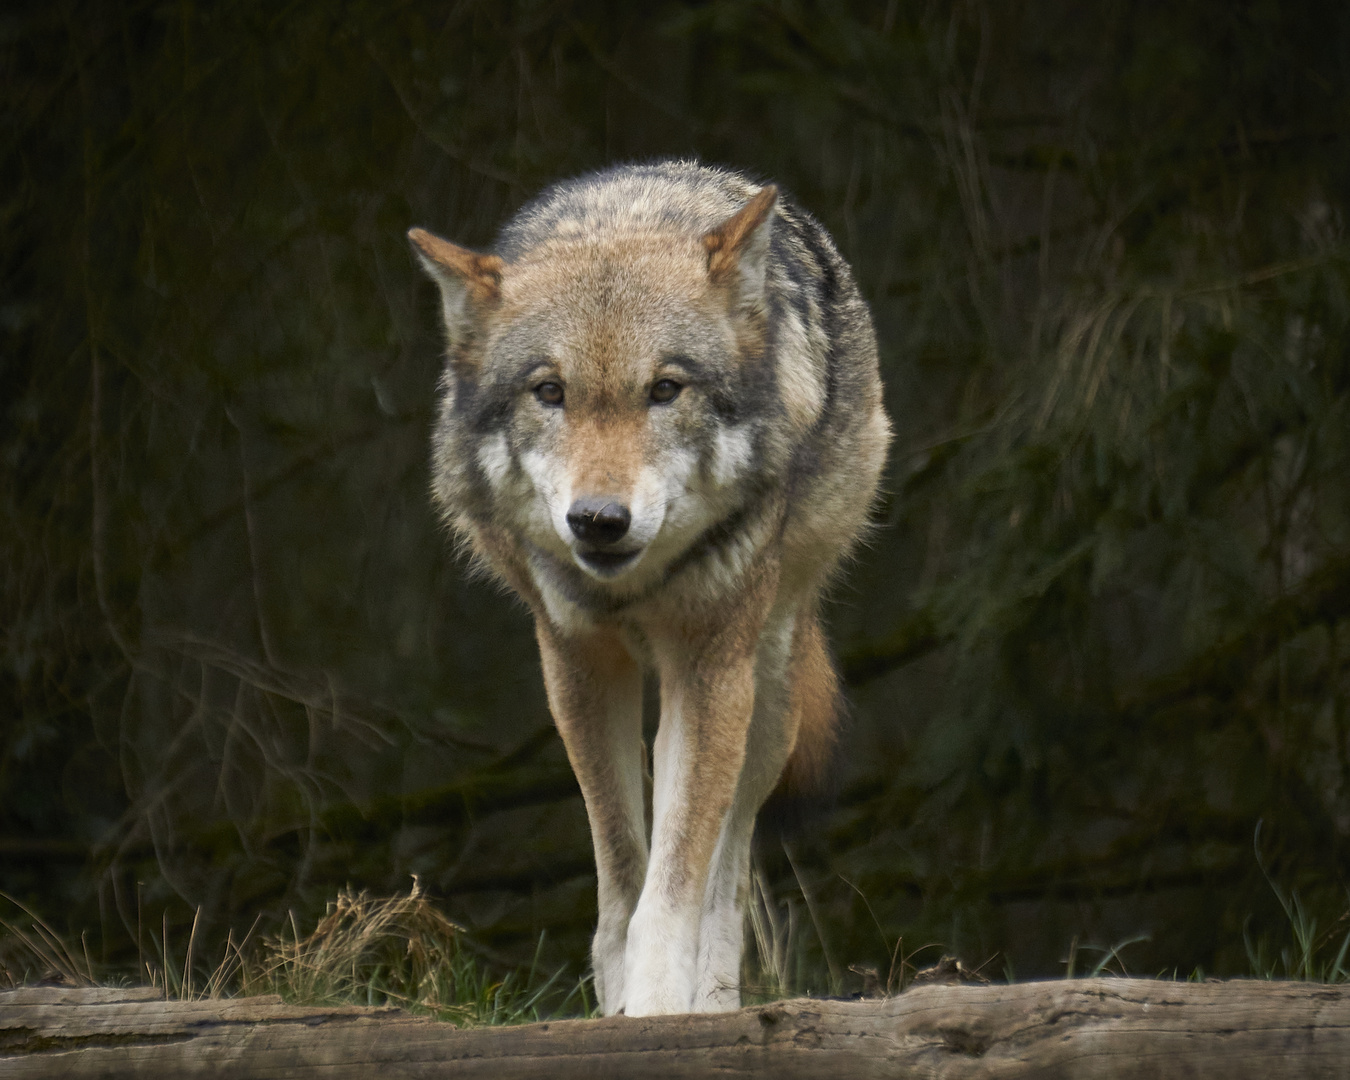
{"x":738,"y":249}
{"x":468,"y":280}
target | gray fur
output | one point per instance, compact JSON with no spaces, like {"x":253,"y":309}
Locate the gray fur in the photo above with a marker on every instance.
{"x":810,"y":299}
{"x":746,"y":490}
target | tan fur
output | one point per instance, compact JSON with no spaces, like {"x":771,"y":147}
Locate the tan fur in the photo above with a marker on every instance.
{"x":709,"y":664}
{"x":724,"y":243}
{"x":595,"y":693}
{"x":482,"y":273}
{"x":815,"y":707}
{"x":743,"y":492}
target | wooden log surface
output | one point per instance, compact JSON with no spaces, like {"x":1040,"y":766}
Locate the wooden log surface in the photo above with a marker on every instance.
{"x":1124,"y":1028}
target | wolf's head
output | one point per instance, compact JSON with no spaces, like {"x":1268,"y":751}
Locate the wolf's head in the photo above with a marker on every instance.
{"x":604,"y":384}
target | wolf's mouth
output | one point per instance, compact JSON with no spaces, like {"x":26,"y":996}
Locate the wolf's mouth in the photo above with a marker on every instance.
{"x":607,"y":563}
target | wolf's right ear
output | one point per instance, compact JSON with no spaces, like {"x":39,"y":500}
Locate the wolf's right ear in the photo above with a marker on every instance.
{"x":465,"y":277}
{"x":738,"y":249}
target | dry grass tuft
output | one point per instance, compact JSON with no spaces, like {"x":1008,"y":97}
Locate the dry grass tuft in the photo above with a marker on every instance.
{"x":404,"y":951}
{"x":366,"y":950}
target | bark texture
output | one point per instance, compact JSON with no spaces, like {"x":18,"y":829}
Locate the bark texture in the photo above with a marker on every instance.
{"x":1115,"y":1028}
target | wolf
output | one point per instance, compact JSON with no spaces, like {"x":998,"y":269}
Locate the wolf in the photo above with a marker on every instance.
{"x":661,"y":424}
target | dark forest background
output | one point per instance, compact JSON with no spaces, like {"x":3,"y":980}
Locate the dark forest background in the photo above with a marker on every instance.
{"x":1102,"y":632}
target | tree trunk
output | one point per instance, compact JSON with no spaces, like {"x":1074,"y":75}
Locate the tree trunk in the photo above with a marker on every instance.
{"x":1084,"y":1028}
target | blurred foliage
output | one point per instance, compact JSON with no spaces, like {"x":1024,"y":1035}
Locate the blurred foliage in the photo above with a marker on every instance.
{"x":1102,"y":634}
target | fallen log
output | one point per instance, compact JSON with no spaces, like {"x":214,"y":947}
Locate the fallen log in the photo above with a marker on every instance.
{"x":1118,"y":1028}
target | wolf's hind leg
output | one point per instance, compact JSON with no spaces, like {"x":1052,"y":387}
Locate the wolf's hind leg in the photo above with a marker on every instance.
{"x":595,"y":693}
{"x":721,"y":931}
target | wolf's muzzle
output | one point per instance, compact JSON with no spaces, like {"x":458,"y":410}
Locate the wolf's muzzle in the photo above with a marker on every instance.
{"x":596,"y":522}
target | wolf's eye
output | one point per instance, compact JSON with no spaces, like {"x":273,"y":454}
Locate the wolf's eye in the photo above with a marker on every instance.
{"x":550,"y":393}
{"x":665,"y":390}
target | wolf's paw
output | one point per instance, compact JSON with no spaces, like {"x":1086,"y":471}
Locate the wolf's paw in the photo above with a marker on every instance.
{"x":659,"y":1001}
{"x":659,"y":964}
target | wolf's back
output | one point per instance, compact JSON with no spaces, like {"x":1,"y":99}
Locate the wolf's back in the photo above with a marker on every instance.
{"x":680,"y":194}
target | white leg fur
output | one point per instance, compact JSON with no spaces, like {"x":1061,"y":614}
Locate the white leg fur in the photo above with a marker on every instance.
{"x":684,"y":945}
{"x":721,"y":931}
{"x":617,"y":897}
{"x":663,"y":933}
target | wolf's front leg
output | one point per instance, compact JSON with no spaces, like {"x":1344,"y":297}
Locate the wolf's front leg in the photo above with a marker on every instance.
{"x":773,"y":731}
{"x":707,"y":698}
{"x":595,"y":694}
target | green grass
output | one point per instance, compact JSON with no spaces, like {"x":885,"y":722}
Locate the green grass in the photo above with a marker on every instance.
{"x":1308,"y":957}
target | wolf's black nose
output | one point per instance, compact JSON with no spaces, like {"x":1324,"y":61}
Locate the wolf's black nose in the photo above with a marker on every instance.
{"x":598,"y":522}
